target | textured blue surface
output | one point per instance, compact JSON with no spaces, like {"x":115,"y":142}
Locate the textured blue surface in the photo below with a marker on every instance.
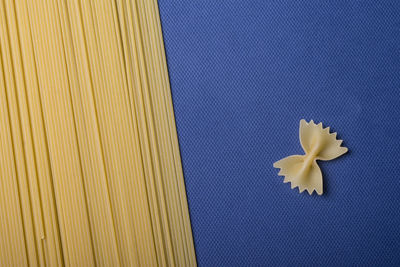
{"x":243,"y":74}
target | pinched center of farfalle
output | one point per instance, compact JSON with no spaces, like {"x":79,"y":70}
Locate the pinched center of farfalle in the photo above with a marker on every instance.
{"x":302,"y":170}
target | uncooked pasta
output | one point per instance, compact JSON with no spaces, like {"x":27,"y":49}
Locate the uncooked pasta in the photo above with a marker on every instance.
{"x":90,"y":166}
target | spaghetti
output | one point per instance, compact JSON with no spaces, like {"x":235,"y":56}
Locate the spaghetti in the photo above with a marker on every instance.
{"x":89,"y":165}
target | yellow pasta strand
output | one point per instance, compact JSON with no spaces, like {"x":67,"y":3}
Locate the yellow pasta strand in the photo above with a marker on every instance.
{"x":90,"y":171}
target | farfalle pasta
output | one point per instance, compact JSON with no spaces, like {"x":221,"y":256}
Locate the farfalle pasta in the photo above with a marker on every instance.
{"x":302,"y":171}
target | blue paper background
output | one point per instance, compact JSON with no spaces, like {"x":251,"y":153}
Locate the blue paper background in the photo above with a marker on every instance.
{"x":243,"y":74}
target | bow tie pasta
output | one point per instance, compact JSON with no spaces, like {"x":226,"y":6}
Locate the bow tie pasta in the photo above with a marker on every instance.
{"x":302,"y":170}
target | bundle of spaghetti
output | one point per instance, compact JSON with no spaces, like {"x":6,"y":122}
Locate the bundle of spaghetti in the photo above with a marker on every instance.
{"x":90,"y":170}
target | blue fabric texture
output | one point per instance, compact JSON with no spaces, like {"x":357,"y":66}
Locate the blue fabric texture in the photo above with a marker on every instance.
{"x":243,"y":74}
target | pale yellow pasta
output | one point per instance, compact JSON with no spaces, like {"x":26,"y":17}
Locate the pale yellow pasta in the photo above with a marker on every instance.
{"x":90,"y":171}
{"x":302,"y":171}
